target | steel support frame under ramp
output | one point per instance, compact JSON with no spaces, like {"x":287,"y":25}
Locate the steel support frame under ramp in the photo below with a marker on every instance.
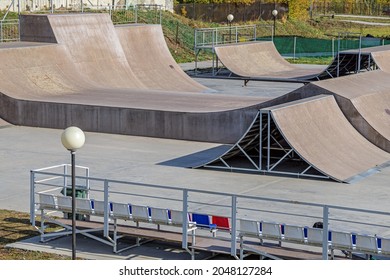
{"x":264,"y":149}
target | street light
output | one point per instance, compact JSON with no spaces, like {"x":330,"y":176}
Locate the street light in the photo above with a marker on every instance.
{"x":73,"y":138}
{"x":230,"y":18}
{"x":274,"y":13}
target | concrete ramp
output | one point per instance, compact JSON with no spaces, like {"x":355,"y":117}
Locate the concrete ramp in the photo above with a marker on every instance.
{"x":149,"y":57}
{"x":381,"y":57}
{"x":307,"y":138}
{"x":365,"y":101}
{"x":91,"y":43}
{"x":34,"y":70}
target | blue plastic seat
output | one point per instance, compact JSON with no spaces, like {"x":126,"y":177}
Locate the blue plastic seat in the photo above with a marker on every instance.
{"x":203,"y":221}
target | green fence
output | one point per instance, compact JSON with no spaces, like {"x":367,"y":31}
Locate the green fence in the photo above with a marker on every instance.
{"x":306,"y":47}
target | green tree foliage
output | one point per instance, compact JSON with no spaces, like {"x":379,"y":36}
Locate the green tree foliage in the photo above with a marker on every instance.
{"x":298,"y":9}
{"x":247,"y":2}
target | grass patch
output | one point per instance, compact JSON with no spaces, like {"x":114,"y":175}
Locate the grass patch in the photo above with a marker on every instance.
{"x":311,"y":60}
{"x":15,"y":226}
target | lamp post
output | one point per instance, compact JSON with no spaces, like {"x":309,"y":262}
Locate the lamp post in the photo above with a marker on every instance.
{"x":230,"y":18}
{"x":73,"y":138}
{"x":274,"y":13}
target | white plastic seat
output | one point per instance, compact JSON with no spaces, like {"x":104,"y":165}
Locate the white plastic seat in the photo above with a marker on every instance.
{"x":366,"y":243}
{"x":177,"y":219}
{"x":120,"y":211}
{"x":271,"y":230}
{"x":64,"y":203}
{"x":294,"y":233}
{"x":341,"y":240}
{"x":385,"y":246}
{"x":140,"y":213}
{"x":47,"y":201}
{"x":84,"y":206}
{"x":98,"y":208}
{"x":249,"y":228}
{"x":160,"y":215}
{"x":315,"y":236}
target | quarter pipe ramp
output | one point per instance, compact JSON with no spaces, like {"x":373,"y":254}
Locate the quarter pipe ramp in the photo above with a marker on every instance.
{"x":261,"y":60}
{"x":309,"y":137}
{"x":149,"y":57}
{"x":365,"y":101}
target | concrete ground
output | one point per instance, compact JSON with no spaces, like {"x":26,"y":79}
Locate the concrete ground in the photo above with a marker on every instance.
{"x":145,"y":160}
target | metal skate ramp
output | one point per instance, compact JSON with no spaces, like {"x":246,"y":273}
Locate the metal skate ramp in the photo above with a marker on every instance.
{"x":365,"y":101}
{"x":262,"y":61}
{"x":305,"y":138}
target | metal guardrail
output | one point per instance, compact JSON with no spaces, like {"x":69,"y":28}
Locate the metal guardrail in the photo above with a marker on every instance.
{"x":209,"y":37}
{"x":9,"y":30}
{"x":235,"y":206}
{"x":131,"y":14}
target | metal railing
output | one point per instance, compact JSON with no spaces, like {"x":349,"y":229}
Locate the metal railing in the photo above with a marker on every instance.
{"x":53,"y":179}
{"x":150,"y":13}
{"x":9,"y":30}
{"x":209,"y":37}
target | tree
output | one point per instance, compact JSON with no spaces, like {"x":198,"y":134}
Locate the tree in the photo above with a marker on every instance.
{"x":298,"y":9}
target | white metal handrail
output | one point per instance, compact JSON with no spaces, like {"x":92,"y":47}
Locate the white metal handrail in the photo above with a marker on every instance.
{"x":234,"y":206}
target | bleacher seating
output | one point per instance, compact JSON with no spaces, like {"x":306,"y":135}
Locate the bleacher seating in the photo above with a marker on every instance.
{"x":345,"y":241}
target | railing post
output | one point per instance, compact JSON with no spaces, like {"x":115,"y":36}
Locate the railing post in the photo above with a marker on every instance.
{"x":65,"y":178}
{"x":295,"y":45}
{"x":185,"y":220}
{"x":106,"y":209}
{"x":261,"y":141}
{"x":160,"y":16}
{"x":268,"y":140}
{"x":136,"y":13}
{"x":87,"y":181}
{"x":333,"y":47}
{"x":360,"y":54}
{"x":213,"y":52}
{"x":233,"y":250}
{"x":325,"y":223}
{"x":32,"y":197}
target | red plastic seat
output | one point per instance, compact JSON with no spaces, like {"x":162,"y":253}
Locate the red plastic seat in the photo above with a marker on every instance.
{"x":221,"y":222}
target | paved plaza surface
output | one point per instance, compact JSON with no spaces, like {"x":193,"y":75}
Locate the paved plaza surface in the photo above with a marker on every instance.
{"x":166,"y":162}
